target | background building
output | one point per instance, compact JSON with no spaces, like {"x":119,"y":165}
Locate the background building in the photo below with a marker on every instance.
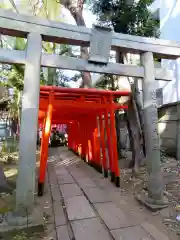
{"x":168,"y":11}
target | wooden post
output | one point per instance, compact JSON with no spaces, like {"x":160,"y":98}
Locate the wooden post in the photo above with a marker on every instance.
{"x":28,"y":129}
{"x":103,"y":146}
{"x":155,"y":181}
{"x":109,"y":145}
{"x":44,"y":147}
{"x":114,"y":146}
{"x":98,"y":146}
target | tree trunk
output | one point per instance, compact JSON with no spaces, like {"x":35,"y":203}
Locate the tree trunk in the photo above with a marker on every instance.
{"x":136,"y":140}
{"x":134,"y":127}
{"x":76,"y":12}
{"x":51,"y":76}
{"x":117,"y":122}
{"x":139,"y":105}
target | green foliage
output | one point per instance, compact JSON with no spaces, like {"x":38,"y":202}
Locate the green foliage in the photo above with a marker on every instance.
{"x":107,"y":81}
{"x":6,"y":4}
{"x":134,"y":19}
{"x":20,"y":236}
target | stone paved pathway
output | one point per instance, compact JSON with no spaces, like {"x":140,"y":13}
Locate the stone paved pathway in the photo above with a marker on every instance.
{"x":79,"y":204}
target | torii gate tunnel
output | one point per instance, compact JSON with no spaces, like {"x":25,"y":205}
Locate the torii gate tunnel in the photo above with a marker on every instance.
{"x":89,"y":115}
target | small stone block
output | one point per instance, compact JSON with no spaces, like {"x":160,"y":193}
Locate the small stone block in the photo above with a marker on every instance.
{"x":90,"y":229}
{"x":78,"y":208}
{"x":62,"y":233}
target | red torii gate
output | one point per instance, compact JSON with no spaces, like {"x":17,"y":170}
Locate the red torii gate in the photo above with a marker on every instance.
{"x":84,"y":111}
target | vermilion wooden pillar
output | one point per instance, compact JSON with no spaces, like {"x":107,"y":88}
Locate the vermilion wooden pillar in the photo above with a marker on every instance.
{"x":44,"y":146}
{"x":69,"y":137}
{"x":89,"y":157}
{"x":86,"y":141}
{"x":109,"y":145}
{"x":83,"y":139}
{"x":98,"y":147}
{"x":74,"y":140}
{"x":89,"y":143}
{"x":92,"y":140}
{"x":114,"y":145}
{"x":103,"y":146}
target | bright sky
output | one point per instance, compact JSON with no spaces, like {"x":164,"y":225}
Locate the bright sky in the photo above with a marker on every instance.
{"x":88,"y":17}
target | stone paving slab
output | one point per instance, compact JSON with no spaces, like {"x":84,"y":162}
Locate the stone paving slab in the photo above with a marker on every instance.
{"x":146,"y":238}
{"x":137,"y":232}
{"x":154,"y":232}
{"x":70,"y":190}
{"x":90,"y":229}
{"x":131,"y":207}
{"x":70,"y":160}
{"x":79,"y":208}
{"x":119,"y":217}
{"x":97,"y":195}
{"x":114,"y":217}
{"x":64,"y":179}
{"x":78,"y":173}
{"x":105,"y":184}
{"x":56,"y":194}
{"x":52,"y":177}
{"x":59,"y":214}
{"x":60,"y":171}
{"x":62,"y":233}
{"x":85,"y":182}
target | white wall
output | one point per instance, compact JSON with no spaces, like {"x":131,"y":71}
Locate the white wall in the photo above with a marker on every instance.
{"x":170,"y":30}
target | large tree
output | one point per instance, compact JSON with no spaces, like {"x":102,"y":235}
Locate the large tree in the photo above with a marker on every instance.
{"x":135,"y":18}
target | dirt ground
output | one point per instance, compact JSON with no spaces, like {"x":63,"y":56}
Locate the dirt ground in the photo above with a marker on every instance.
{"x":171,"y":176}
